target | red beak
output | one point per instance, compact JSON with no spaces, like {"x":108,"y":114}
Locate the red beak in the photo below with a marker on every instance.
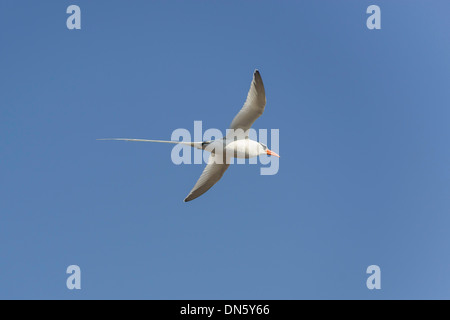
{"x":271,"y":153}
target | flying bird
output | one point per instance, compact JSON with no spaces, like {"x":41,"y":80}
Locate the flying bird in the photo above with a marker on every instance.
{"x":235,"y":144}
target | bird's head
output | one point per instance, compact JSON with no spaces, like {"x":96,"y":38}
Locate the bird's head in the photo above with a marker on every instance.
{"x":264,"y":150}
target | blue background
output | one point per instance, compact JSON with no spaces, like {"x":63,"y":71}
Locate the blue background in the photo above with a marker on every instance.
{"x":364,"y":144}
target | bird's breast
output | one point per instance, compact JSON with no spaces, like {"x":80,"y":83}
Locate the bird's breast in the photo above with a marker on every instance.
{"x":242,"y":149}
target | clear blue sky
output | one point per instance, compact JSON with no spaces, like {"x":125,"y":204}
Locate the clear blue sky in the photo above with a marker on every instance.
{"x":364,"y":142}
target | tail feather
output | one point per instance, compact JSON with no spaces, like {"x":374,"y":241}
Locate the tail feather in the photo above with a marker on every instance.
{"x":197,"y":145}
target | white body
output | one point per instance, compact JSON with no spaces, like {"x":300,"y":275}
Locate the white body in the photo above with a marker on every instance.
{"x":245,"y":148}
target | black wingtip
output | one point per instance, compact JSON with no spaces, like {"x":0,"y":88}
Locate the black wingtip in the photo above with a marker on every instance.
{"x":257,"y":75}
{"x":189,"y":198}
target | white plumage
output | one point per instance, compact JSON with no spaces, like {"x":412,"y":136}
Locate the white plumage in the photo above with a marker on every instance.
{"x":234,"y":145}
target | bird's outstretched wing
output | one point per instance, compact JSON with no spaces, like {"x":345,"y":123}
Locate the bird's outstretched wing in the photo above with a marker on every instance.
{"x":213,"y":172}
{"x":253,"y":107}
